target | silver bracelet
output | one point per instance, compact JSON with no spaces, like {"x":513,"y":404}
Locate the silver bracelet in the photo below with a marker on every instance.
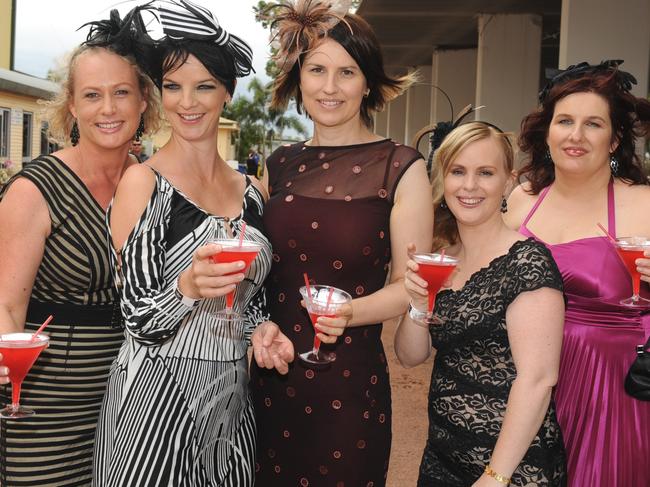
{"x":185,"y":300}
{"x":415,"y":314}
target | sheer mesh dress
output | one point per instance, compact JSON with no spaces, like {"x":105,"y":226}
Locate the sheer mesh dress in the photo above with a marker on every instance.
{"x":473,"y":373}
{"x":328,"y":216}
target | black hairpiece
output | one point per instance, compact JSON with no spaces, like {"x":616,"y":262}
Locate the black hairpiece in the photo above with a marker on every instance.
{"x":558,"y":76}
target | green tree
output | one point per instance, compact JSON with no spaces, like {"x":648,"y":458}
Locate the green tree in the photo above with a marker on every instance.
{"x":259,"y":125}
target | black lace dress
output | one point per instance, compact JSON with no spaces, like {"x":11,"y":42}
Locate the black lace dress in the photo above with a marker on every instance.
{"x":473,"y":373}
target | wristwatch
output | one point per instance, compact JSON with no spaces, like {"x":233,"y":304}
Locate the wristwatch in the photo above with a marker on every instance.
{"x":186,"y":300}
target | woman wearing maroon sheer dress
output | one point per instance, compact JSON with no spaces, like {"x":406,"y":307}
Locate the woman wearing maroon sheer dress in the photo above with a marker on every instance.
{"x":583,"y":170}
{"x":342,"y":208}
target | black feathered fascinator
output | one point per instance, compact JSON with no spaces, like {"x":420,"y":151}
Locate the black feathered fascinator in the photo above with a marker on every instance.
{"x":558,"y":76}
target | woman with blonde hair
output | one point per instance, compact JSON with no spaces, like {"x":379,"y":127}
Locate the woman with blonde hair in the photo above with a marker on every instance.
{"x":497,"y":350}
{"x":54,"y":258}
{"x":342,"y":208}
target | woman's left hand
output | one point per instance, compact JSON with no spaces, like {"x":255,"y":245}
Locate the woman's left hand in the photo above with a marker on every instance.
{"x":271,"y":348}
{"x":486,"y":481}
{"x":643,"y":266}
{"x":329,"y":329}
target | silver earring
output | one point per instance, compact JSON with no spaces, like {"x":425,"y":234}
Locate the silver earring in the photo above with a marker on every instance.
{"x":548,"y":156}
{"x":504,"y":205}
{"x":613,"y":165}
{"x":443,"y":204}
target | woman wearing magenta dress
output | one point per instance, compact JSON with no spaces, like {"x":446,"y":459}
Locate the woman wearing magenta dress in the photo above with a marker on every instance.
{"x":582,"y":171}
{"x":342,"y":208}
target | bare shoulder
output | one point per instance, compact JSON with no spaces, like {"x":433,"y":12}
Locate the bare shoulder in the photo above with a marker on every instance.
{"x":520,"y":202}
{"x":131,"y":198}
{"x":24,"y":204}
{"x":415,"y":178}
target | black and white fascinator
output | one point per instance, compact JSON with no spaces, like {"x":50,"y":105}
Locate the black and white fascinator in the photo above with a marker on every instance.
{"x":182,"y":19}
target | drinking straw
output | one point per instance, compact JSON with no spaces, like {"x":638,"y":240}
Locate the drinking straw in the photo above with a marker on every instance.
{"x":609,"y":235}
{"x":329,"y":298}
{"x":40,"y":329}
{"x":442,"y":255}
{"x":308,"y":287}
{"x":242,"y":233}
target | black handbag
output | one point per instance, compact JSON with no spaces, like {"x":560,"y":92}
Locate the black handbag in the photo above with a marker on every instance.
{"x":637,"y":380}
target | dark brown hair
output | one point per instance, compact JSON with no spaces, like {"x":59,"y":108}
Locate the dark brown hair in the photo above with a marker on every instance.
{"x":355,"y":35}
{"x":629,"y":117}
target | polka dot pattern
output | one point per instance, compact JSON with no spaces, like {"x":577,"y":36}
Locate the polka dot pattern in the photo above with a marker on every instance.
{"x":328,"y":216}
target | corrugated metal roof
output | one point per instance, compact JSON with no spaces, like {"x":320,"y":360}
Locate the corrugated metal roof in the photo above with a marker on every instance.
{"x":25,"y":84}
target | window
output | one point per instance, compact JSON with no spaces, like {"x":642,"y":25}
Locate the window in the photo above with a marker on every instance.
{"x":28,"y":122}
{"x":5,"y":121}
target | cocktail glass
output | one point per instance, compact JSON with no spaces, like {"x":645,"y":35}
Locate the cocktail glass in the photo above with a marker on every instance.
{"x":19,"y":352}
{"x":630,"y":249}
{"x":232,"y":251}
{"x":322,"y":301}
{"x":435,"y":269}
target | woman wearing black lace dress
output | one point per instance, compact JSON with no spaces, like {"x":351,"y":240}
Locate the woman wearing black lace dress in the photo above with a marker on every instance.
{"x":491,"y":421}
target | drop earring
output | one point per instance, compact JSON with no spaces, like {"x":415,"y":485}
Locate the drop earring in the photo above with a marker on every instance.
{"x":74,"y":133}
{"x":140,"y":132}
{"x":504,"y":205}
{"x":613,"y":164}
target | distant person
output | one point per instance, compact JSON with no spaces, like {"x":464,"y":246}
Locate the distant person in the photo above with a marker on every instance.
{"x":252,"y":163}
{"x":54,"y":259}
{"x":138,"y":151}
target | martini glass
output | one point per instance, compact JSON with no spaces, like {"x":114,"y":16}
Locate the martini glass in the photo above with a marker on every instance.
{"x":322,"y":301}
{"x":630,"y":249}
{"x":435,"y":269}
{"x":232,"y":250}
{"x":19,"y":352}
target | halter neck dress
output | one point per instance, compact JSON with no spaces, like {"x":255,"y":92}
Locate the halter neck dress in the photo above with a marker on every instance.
{"x":606,"y":432}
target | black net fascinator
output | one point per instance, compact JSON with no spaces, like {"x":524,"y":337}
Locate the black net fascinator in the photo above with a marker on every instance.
{"x":297,"y":25}
{"x":558,"y":76}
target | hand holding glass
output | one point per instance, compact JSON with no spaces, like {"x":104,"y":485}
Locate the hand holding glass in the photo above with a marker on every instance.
{"x":322,"y":301}
{"x":19,"y":352}
{"x":233,"y":250}
{"x":630,"y":249}
{"x":435,"y":269}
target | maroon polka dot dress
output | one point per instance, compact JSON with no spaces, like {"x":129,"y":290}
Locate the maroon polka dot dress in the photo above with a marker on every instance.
{"x":328,"y":216}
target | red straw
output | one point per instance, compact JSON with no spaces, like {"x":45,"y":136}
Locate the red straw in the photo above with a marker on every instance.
{"x":40,"y":329}
{"x":242,"y":233}
{"x":329,"y":298}
{"x":609,"y":235}
{"x":307,"y":286}
{"x":442,"y":255}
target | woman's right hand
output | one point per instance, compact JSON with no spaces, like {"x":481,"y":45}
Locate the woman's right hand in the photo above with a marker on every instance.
{"x":4,"y":373}
{"x":416,"y":287}
{"x":206,"y":279}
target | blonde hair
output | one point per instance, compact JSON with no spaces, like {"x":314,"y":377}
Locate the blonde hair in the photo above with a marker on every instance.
{"x":57,"y":110}
{"x":445,"y":229}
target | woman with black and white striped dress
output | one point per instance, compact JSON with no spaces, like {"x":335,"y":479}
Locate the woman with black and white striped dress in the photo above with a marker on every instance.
{"x":177,"y":409}
{"x":54,"y":259}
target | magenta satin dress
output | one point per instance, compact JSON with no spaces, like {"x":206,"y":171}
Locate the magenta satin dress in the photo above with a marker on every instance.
{"x":606,"y":432}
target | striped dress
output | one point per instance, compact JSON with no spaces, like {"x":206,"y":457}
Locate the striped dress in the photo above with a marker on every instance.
{"x":177,"y":410}
{"x":66,"y":384}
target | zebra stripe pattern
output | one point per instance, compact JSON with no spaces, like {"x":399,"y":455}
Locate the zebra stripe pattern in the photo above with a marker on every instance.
{"x":177,"y":409}
{"x":182,"y":19}
{"x":66,"y":384}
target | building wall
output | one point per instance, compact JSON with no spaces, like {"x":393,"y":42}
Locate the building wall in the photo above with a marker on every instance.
{"x":26,"y":104}
{"x":226,"y":148}
{"x":5,"y":33}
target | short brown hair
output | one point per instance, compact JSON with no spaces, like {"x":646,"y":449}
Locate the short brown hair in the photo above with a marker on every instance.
{"x":356,"y":36}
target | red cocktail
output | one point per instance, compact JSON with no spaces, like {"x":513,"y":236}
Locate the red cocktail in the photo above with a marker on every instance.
{"x":321,"y":301}
{"x":435,"y":269}
{"x":630,"y":249}
{"x":232,"y":251}
{"x":19,"y":353}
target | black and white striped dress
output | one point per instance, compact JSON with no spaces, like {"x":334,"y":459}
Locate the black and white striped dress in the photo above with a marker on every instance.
{"x":66,"y":384}
{"x":177,"y":410}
